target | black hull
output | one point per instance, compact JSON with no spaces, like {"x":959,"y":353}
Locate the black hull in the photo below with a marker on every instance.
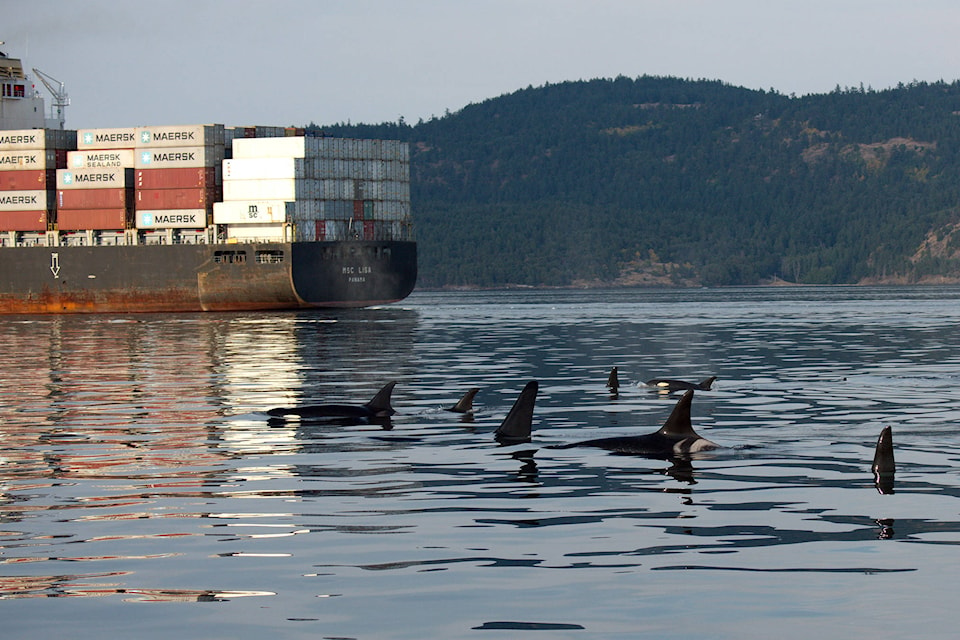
{"x":205,"y":277}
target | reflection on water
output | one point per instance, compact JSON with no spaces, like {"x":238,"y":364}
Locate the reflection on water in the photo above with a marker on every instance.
{"x":138,"y":465}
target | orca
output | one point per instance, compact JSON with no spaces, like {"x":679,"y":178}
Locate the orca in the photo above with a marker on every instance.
{"x":518,"y":425}
{"x":378,"y":408}
{"x":668,"y":385}
{"x":883,"y":463}
{"x":465,"y":404}
{"x":613,"y":381}
{"x":675,"y":439}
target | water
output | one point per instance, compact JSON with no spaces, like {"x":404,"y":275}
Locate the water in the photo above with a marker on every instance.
{"x":143,"y":493}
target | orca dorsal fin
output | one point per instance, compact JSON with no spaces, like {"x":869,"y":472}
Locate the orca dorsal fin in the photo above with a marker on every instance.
{"x":883,"y":457}
{"x":518,"y":424}
{"x":380,"y":405}
{"x":678,"y":424}
{"x":465,"y":404}
{"x":613,"y":380}
{"x":707,"y":383}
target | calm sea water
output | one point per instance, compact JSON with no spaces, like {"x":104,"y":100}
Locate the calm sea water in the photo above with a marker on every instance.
{"x":144,"y":494}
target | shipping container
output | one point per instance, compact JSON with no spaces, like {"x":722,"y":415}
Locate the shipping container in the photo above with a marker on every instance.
{"x":178,"y":157}
{"x":248,"y":232}
{"x":196,"y":198}
{"x":33,"y":159}
{"x":19,"y":140}
{"x":26,"y":200}
{"x":99,"y":178}
{"x":122,"y":138}
{"x":266,"y":168}
{"x":185,"y":178}
{"x":119,"y":198}
{"x":253,"y":211}
{"x":99,"y":158}
{"x":280,"y":189}
{"x":197,"y":135}
{"x":25,"y":220}
{"x":95,"y":219}
{"x":28,"y":180}
{"x":172,"y":218}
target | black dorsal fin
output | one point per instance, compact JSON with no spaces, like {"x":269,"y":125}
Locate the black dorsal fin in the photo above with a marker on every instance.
{"x":380,"y":405}
{"x":707,"y":383}
{"x":518,"y":424}
{"x":613,"y":380}
{"x":678,"y":424}
{"x":465,"y":405}
{"x":883,"y":457}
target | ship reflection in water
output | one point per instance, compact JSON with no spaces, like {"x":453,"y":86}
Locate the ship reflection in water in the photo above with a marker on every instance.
{"x":139,"y":465}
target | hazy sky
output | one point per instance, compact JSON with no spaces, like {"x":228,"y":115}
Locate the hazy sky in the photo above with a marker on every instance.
{"x":290,"y":62}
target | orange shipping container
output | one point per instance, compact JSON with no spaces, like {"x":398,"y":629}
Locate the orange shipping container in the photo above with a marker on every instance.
{"x":189,"y":178}
{"x":197,"y":198}
{"x":97,"y":219}
{"x":32,"y":179}
{"x":94,"y":199}
{"x":24,"y":220}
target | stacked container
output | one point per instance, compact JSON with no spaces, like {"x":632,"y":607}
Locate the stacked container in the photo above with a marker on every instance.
{"x":177,"y":175}
{"x":94,"y":199}
{"x":325,"y":188}
{"x":29,"y":159}
{"x":95,"y":190}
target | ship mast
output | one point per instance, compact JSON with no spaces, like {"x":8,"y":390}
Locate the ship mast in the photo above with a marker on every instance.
{"x":60,"y":99}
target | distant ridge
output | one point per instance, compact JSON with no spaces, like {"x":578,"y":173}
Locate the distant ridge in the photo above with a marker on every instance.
{"x":659,"y":181}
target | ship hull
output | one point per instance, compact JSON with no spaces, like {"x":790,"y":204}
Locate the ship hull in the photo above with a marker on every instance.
{"x":205,"y":277}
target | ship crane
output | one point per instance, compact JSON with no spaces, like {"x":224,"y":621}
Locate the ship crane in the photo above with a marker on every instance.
{"x":60,"y":99}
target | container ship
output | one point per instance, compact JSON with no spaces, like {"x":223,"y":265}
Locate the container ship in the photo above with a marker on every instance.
{"x":202,"y":217}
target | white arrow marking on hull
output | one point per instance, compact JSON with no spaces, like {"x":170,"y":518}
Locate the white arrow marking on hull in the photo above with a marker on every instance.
{"x":55,"y":264}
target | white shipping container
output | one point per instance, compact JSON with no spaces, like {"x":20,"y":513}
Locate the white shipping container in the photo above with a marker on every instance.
{"x":270,"y":232}
{"x":252,"y":211}
{"x":25,"y":200}
{"x":28,"y":159}
{"x":264,"y":168}
{"x":22,"y":139}
{"x":195,"y":135}
{"x":95,"y":158}
{"x":179,"y":157}
{"x":109,"y":178}
{"x":277,"y":189}
{"x":172,"y":219}
{"x":122,"y":138}
{"x":285,"y":147}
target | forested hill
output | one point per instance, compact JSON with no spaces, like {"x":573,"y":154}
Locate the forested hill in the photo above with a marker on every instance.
{"x":667,"y":181}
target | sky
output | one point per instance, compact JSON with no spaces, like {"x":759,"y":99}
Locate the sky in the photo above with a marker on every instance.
{"x":131,"y":63}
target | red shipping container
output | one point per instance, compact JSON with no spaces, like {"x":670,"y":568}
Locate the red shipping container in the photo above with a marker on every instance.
{"x":94,"y":199}
{"x":198,"y":198}
{"x":97,"y":219}
{"x":30,"y":180}
{"x":368,"y":230}
{"x":24,"y":220}
{"x":176,"y":178}
{"x":358,"y":209}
